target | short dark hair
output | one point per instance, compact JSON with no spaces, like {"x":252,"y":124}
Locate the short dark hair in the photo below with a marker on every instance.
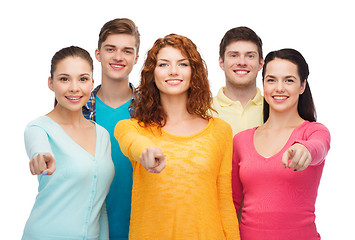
{"x":305,"y":107}
{"x":240,"y":34}
{"x":119,"y":26}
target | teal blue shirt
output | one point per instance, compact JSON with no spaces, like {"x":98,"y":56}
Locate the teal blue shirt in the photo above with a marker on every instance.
{"x":118,"y":201}
{"x":70,"y":203}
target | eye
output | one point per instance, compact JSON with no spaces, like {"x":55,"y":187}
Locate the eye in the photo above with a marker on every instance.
{"x":128,"y":52}
{"x":250,"y":56}
{"x":109,"y":49}
{"x":84,"y":79}
{"x":64,"y":79}
{"x":163,"y":65}
{"x":270,"y":80}
{"x":290,"y":80}
{"x":184,"y":64}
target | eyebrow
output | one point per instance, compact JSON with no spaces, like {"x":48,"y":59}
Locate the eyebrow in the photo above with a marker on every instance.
{"x":167,"y":60}
{"x":287,"y":76}
{"x":113,"y":46}
{"x":65,"y":74}
{"x":248,"y":52}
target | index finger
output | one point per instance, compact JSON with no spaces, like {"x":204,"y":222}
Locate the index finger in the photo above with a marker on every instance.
{"x":285,"y":157}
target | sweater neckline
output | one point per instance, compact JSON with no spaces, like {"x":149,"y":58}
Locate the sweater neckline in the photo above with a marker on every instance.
{"x":189,"y":136}
{"x":283,"y":149}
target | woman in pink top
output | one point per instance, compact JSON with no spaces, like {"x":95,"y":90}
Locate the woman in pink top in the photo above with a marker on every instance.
{"x":277,"y":167}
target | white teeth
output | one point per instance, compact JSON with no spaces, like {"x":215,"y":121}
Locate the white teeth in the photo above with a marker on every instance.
{"x":173,"y":81}
{"x":280,"y":98}
{"x":71,"y":98}
{"x":241,"y":72}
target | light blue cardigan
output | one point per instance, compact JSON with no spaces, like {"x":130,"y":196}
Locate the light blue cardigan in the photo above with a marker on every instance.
{"x":70,"y":203}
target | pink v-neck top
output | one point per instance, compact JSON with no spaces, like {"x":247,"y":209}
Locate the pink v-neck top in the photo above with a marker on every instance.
{"x":70,"y":203}
{"x":279,"y":203}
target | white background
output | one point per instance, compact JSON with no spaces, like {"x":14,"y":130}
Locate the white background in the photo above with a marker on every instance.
{"x":32,"y":31}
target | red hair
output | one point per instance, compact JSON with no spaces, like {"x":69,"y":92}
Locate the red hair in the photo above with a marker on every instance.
{"x":146,"y":106}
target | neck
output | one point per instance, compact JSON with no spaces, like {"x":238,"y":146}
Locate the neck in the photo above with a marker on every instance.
{"x":277,"y":120}
{"x":175,"y":108}
{"x":114,"y":93}
{"x":66,"y":117}
{"x":243,"y":95}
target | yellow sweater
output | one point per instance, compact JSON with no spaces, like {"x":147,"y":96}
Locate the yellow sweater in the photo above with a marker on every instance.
{"x":192,"y":197}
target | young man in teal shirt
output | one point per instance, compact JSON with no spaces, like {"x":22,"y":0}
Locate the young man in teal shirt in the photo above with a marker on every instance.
{"x":117,"y":51}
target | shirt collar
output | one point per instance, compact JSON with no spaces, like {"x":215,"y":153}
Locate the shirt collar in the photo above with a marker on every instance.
{"x":93,"y":94}
{"x":225,"y":101}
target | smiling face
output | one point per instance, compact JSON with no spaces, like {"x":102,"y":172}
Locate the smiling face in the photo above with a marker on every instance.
{"x":118,"y":55}
{"x":241,"y":64}
{"x":72,"y":83}
{"x":282,"y":85}
{"x":172,"y":73}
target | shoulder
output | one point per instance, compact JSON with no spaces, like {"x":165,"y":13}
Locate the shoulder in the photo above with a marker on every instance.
{"x":221,"y":124}
{"x":128,"y":125}
{"x":311,"y":127}
{"x":42,"y":122}
{"x":220,"y":130}
{"x":101,"y":130}
{"x":127,"y":122}
{"x":244,"y":135}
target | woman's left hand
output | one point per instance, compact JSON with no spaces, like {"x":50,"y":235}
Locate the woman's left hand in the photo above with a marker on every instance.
{"x":297,"y":157}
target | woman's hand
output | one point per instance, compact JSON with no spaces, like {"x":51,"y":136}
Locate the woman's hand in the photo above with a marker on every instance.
{"x":42,"y":163}
{"x":153,"y":160}
{"x":297,"y":157}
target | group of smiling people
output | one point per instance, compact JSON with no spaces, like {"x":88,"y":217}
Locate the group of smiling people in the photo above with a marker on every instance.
{"x":235,"y":166}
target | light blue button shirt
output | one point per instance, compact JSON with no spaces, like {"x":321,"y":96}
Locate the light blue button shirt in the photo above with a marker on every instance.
{"x":70,"y":203}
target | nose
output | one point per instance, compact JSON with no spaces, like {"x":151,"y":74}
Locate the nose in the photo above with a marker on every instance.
{"x":280,"y":87}
{"x":118,"y":56}
{"x":74,"y":86}
{"x":241,"y":61}
{"x":173,"y":70}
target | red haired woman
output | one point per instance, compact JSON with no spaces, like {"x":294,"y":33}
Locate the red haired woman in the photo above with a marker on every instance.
{"x":172,"y":133}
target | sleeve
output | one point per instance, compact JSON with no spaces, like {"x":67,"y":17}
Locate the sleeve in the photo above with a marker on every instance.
{"x":104,"y":228}
{"x":36,"y":141}
{"x":237,"y":187}
{"x":131,"y":140}
{"x":317,"y":141}
{"x":224,"y":188}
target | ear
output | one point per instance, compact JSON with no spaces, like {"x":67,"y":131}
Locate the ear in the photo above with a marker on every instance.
{"x":50,"y":84}
{"x":261,"y":64}
{"x":221,"y":63}
{"x":97,"y":55}
{"x":303,"y":87}
{"x":136,"y":59}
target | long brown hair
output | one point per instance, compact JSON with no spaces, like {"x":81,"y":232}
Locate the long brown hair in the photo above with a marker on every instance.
{"x":306,"y":108}
{"x":146,"y":106}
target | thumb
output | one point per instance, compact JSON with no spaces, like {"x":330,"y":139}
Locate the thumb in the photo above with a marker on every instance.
{"x":51,"y":166}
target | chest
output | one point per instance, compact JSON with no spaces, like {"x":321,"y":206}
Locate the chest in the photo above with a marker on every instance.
{"x":86,"y":139}
{"x":269,"y":143}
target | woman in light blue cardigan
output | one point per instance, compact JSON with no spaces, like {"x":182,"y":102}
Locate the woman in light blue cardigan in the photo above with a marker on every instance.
{"x":72,"y":189}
